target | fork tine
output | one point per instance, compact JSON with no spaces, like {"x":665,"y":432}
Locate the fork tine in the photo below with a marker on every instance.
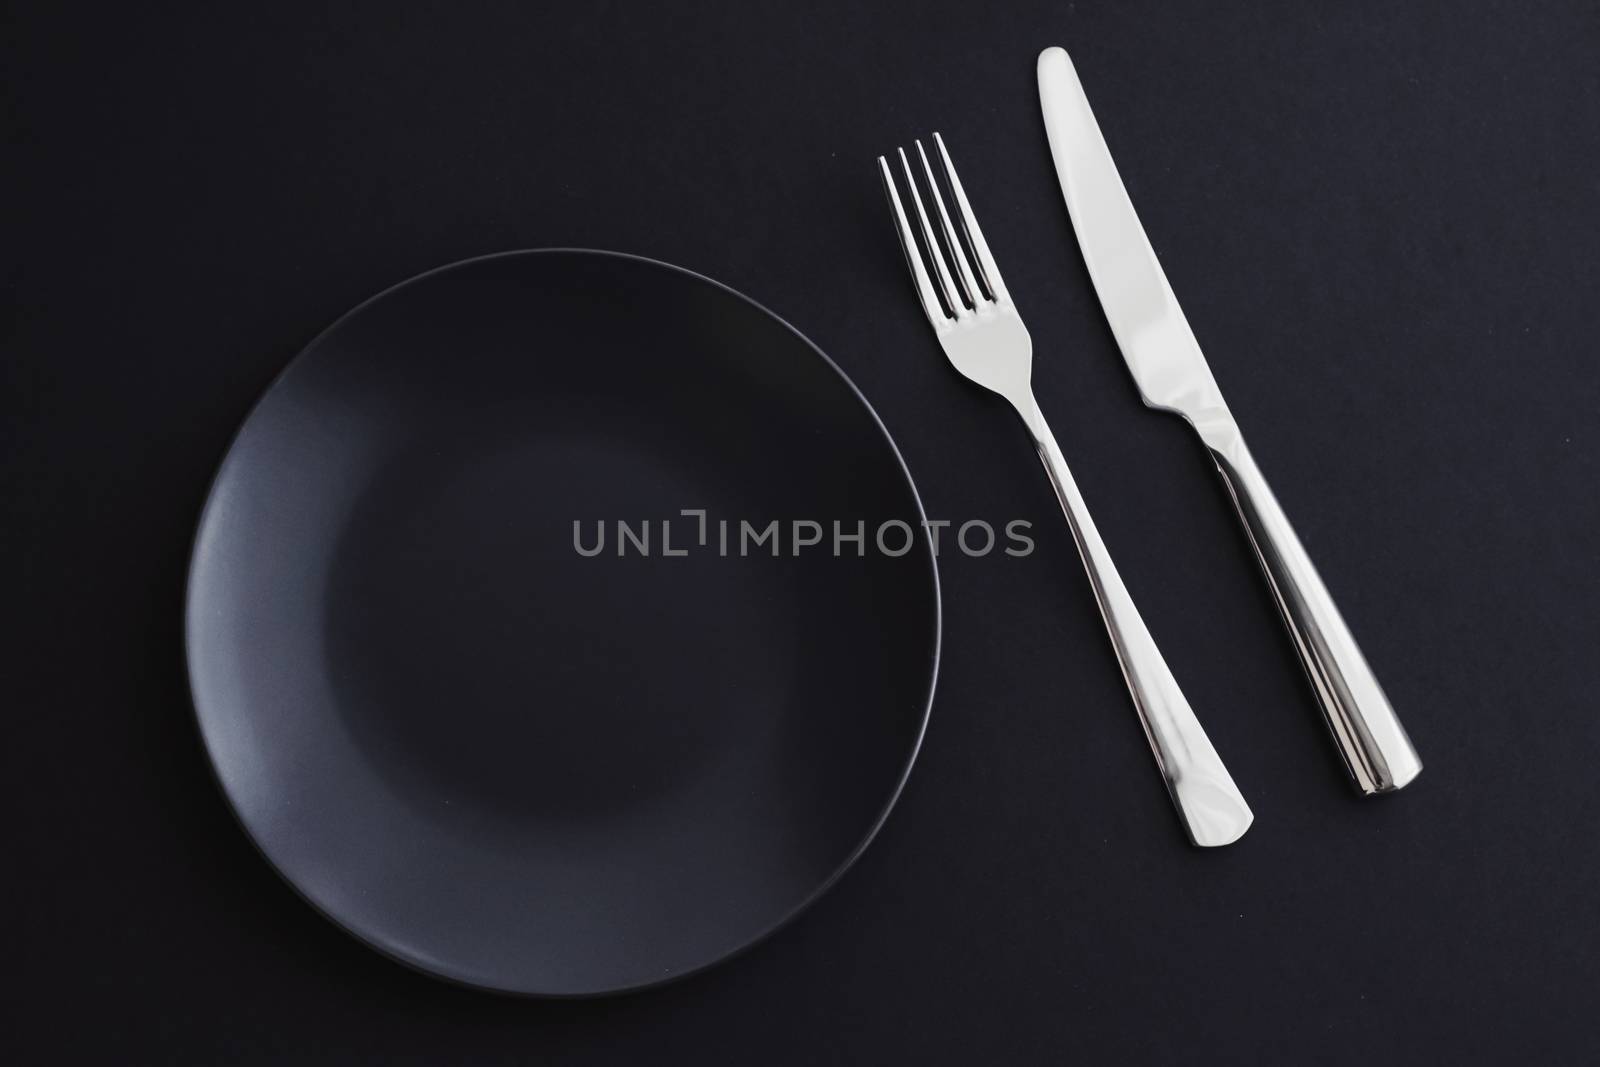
{"x":964,"y":278}
{"x":908,"y":244}
{"x":941,"y":272}
{"x":969,"y":225}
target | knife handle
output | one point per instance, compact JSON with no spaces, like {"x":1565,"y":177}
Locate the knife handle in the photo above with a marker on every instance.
{"x":1212,"y":810}
{"x":1366,"y":730}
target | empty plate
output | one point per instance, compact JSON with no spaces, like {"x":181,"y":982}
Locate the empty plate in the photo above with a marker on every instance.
{"x":520,"y":635}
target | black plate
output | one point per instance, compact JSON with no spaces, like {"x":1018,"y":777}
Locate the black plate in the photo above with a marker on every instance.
{"x":504,"y":762}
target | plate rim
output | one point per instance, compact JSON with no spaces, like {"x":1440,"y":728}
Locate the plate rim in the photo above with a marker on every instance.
{"x":923,"y":539}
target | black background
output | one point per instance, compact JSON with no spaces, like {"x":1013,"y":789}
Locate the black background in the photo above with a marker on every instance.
{"x":1381,"y":220}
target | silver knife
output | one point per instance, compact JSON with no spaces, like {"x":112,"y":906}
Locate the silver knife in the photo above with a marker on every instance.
{"x":1172,"y":375}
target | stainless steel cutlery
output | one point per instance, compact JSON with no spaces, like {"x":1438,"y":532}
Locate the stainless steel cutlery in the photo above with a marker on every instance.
{"x":980,"y":330}
{"x":1172,"y":375}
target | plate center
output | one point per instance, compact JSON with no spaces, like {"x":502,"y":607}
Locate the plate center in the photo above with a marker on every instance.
{"x":483,"y":662}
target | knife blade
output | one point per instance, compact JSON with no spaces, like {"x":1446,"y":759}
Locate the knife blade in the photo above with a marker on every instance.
{"x":1172,"y":375}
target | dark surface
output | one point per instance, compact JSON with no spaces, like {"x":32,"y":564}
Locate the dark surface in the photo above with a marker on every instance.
{"x":1381,"y":222}
{"x":520,"y":767}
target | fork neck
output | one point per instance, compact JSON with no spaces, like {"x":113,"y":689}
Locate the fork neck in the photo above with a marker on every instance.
{"x":1032,"y":417}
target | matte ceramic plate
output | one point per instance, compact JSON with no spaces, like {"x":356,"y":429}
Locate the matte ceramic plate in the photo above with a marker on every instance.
{"x":501,"y":756}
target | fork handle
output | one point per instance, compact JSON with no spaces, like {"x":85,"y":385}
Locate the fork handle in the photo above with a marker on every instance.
{"x":1366,"y":730}
{"x":1212,"y":810}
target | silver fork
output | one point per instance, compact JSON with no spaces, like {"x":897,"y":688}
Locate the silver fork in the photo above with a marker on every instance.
{"x":980,"y":330}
